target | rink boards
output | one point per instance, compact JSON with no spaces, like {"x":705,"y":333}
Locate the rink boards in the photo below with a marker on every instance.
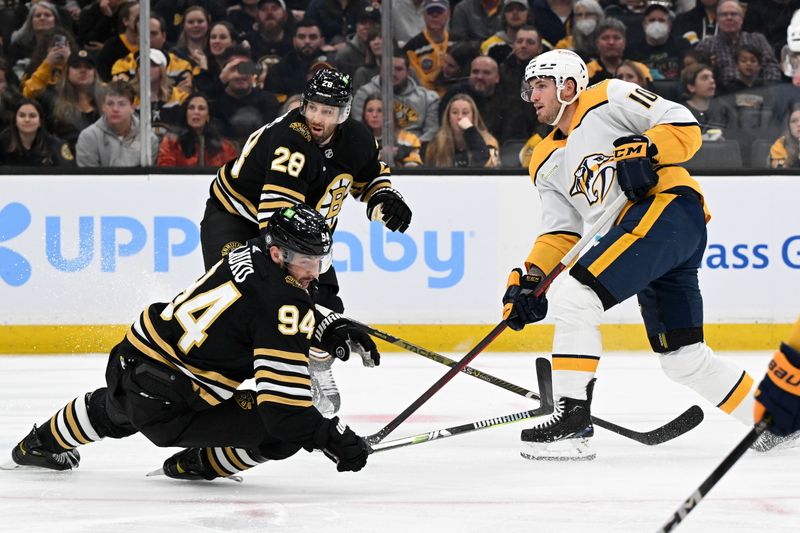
{"x":80,"y":256}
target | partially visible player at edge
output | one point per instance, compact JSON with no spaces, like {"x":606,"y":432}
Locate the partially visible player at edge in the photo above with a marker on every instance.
{"x":315,"y":155}
{"x":175,"y":375}
{"x":778,"y":396}
{"x":610,"y":139}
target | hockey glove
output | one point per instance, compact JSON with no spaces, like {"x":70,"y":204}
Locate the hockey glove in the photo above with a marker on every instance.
{"x":520,"y":306}
{"x":635,"y":175}
{"x":388,"y":206}
{"x":341,"y":445}
{"x":339,"y":336}
{"x":778,"y":394}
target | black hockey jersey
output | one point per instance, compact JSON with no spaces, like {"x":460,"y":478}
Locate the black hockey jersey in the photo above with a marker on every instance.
{"x":281,"y":165}
{"x":246,"y":317}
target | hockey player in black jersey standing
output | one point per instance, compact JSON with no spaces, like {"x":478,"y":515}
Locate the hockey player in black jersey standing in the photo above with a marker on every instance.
{"x":175,"y":375}
{"x":317,"y":155}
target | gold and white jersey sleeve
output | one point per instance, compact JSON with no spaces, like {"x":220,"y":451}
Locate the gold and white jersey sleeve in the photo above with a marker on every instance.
{"x":576,"y":175}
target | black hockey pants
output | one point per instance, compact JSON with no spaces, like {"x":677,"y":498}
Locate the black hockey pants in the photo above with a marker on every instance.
{"x":159,"y":402}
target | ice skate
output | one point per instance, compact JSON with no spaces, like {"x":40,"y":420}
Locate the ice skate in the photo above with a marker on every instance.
{"x":769,"y":441}
{"x":189,"y":464}
{"x":324,"y":392}
{"x":29,"y":453}
{"x":564,"y":435}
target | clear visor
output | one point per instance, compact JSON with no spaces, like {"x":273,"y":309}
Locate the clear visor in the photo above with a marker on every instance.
{"x":324,"y":112}
{"x":526,"y":89}
{"x":314,"y":264}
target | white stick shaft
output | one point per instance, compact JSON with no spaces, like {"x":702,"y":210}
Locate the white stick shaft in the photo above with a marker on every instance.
{"x":611,"y":212}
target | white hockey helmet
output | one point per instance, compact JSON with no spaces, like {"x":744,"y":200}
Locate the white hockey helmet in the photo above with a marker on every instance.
{"x":560,"y":65}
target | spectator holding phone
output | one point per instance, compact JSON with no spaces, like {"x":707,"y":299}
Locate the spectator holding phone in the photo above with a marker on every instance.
{"x":48,"y":63}
{"x":42,"y":18}
{"x":70,"y":105}
{"x":241,"y":106}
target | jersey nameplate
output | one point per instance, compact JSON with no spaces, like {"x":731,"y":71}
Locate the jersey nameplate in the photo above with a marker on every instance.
{"x":241,"y":263}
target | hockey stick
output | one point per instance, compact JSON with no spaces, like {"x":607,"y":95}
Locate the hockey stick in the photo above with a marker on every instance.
{"x":704,"y":488}
{"x":609,"y":214}
{"x":544,"y":376}
{"x":676,"y":427}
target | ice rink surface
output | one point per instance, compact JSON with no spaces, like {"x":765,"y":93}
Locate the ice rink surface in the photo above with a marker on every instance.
{"x":470,"y":483}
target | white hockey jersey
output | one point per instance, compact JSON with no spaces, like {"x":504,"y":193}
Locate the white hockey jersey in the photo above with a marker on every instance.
{"x":575,"y":175}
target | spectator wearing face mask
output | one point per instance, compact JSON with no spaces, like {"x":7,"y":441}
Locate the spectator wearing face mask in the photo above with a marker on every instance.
{"x":660,"y":50}
{"x":586,"y":16}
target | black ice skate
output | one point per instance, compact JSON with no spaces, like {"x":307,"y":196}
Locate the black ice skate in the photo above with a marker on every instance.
{"x":769,"y":441}
{"x":30,"y":453}
{"x":189,"y":464}
{"x":563,"y":435}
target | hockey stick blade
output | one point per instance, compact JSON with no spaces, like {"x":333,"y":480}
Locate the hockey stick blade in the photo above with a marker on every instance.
{"x":544,"y":376}
{"x":691,"y":502}
{"x":686,"y":421}
{"x":608,"y":215}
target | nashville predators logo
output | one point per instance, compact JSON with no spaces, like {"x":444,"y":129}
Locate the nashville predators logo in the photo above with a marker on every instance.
{"x":593,"y":177}
{"x":330,"y":205}
{"x":244,"y":399}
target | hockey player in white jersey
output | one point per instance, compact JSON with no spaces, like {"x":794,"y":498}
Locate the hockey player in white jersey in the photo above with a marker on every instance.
{"x":610,"y":139}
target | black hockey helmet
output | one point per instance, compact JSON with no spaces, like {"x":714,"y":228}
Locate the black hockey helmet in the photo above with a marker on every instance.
{"x":302,"y":230}
{"x":330,"y":87}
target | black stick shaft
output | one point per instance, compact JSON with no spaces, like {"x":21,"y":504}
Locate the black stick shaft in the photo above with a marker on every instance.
{"x":543,"y":375}
{"x":408,"y":411}
{"x":676,"y":427}
{"x":691,"y":502}
{"x":609,"y":214}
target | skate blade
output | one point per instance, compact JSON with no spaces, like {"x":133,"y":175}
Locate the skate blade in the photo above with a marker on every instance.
{"x":564,"y":450}
{"x":160,"y":472}
{"x":11,"y":465}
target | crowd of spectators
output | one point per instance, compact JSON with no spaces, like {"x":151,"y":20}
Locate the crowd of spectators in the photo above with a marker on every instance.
{"x":219,"y":69}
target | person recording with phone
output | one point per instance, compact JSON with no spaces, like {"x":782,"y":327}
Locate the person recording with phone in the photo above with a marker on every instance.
{"x":240,"y":106}
{"x":48,"y":62}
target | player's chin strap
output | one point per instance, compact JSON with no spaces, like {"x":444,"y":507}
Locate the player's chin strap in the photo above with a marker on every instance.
{"x":563,"y":103}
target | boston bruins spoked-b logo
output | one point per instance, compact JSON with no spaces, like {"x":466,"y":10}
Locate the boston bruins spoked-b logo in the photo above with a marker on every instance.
{"x":330,"y":205}
{"x":593,"y":177}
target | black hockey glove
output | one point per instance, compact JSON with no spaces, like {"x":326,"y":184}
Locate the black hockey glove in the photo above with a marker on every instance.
{"x":339,"y":336}
{"x":341,"y":445}
{"x":635,"y":175}
{"x":388,"y":206}
{"x":778,"y":394}
{"x":520,"y":306}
